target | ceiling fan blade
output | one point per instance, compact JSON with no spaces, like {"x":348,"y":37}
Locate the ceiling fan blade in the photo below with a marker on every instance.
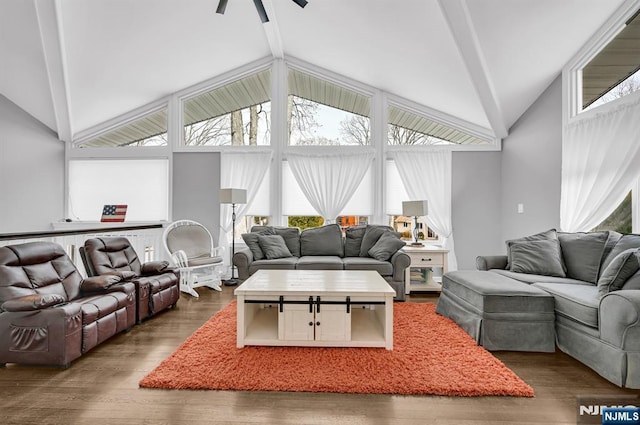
{"x":301,"y":3}
{"x":222,"y":5}
{"x":263,"y":13}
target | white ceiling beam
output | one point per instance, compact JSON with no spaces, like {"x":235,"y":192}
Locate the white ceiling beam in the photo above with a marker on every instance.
{"x":50,"y":24}
{"x":272,"y":31}
{"x":459,"y":20}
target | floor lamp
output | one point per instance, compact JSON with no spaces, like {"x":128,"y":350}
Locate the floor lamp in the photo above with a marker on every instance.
{"x":233,"y":197}
{"x":415,"y":209}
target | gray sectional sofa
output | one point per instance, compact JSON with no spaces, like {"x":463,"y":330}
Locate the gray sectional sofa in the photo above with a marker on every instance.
{"x":579,"y":291}
{"x":370,"y":247}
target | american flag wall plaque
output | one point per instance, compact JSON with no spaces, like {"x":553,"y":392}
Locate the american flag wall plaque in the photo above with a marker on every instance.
{"x":113,"y":213}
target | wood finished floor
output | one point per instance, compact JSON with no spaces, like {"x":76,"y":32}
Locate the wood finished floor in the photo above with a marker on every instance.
{"x":102,"y":388}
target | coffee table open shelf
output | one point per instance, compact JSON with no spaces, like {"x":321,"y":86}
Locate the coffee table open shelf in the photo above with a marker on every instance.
{"x":324,"y":308}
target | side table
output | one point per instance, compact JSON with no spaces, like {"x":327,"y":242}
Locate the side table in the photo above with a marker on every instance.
{"x":419,"y":276}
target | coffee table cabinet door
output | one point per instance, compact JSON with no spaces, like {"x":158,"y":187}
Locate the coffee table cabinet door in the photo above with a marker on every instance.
{"x":333,"y":323}
{"x":296,"y":323}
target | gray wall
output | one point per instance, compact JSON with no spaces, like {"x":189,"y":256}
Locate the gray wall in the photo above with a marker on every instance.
{"x":31,"y":172}
{"x":531,"y":166}
{"x":196,"y":186}
{"x":476,"y":205}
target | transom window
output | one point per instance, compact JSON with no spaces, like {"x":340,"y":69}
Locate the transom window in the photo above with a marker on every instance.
{"x":236,"y":114}
{"x":614,"y":72}
{"x":150,"y":130}
{"x":408,"y":128}
{"x":322,"y":113}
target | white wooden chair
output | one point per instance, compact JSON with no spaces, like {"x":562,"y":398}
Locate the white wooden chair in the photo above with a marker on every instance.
{"x":192,"y":251}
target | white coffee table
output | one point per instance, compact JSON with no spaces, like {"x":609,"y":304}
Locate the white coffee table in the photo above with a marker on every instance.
{"x":322,"y":308}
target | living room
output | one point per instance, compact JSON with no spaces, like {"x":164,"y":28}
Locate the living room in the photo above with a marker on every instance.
{"x":507,"y":97}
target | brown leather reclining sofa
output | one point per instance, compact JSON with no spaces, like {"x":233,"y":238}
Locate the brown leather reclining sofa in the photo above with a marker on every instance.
{"x":157,"y":285}
{"x":49,"y":314}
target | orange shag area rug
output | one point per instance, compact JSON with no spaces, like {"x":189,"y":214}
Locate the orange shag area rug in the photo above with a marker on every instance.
{"x":431,"y":355}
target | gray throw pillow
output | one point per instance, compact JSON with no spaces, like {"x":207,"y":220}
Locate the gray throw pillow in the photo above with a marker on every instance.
{"x":251,"y":239}
{"x":547,"y":235}
{"x":371,"y":236}
{"x":291,"y":236}
{"x":353,"y":240}
{"x":325,"y":240}
{"x":537,"y":257}
{"x":618,"y":271}
{"x":387,"y":245}
{"x":582,"y":253}
{"x":627,"y":241}
{"x":273,"y":247}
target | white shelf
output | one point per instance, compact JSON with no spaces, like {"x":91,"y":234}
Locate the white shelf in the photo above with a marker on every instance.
{"x":366,"y":326}
{"x":264,"y":326}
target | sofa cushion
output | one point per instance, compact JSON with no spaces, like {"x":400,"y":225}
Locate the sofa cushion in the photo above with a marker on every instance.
{"x":582,"y":254}
{"x":618,"y":271}
{"x":371,"y":235}
{"x":325,"y":240}
{"x":288,"y":263}
{"x":625,"y":242}
{"x":492,"y":293}
{"x":577,"y":302}
{"x":537,"y":257}
{"x":384,"y":268}
{"x":633,"y":282}
{"x":273,"y":246}
{"x":320,"y":262}
{"x":387,"y":245}
{"x":353,"y":240}
{"x":533,"y":278}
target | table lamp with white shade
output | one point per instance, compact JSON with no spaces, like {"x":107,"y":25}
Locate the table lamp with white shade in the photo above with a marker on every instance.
{"x":233,"y":197}
{"x":415,"y":209}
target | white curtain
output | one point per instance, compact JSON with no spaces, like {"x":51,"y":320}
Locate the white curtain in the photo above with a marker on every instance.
{"x":329,"y":179}
{"x":426,"y":175}
{"x":600,"y":163}
{"x":239,"y":170}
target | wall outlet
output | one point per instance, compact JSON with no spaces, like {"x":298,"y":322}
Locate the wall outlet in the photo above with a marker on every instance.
{"x":520,"y":208}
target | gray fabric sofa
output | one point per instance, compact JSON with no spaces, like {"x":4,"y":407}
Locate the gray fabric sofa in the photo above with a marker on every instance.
{"x":589,"y":307}
{"x":368,"y":247}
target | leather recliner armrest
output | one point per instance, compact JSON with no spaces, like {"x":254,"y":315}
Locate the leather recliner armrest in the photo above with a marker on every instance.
{"x":32,"y":302}
{"x":99,"y":283}
{"x":155,"y":267}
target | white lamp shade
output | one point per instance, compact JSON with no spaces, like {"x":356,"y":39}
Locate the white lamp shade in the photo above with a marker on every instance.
{"x":414,"y":208}
{"x":233,"y":196}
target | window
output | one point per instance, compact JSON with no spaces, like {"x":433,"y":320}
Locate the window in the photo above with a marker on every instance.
{"x":408,"y":128}
{"x":620,"y":220}
{"x":141,"y":184}
{"x":150,"y":130}
{"x":396,"y":194}
{"x":613,"y":72}
{"x":236,"y":114}
{"x":323,"y":113}
{"x":295,"y":203}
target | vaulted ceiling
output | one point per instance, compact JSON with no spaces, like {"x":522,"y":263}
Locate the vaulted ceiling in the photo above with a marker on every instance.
{"x":73,"y":64}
